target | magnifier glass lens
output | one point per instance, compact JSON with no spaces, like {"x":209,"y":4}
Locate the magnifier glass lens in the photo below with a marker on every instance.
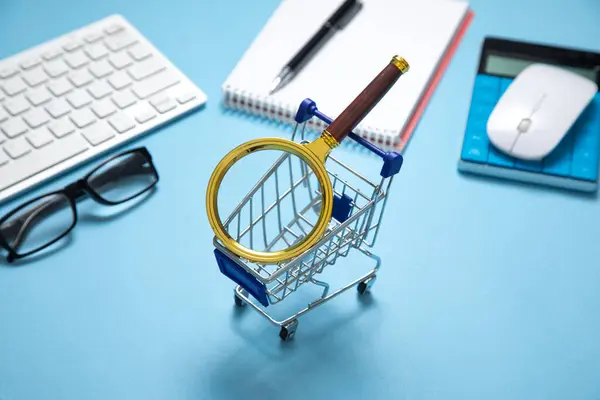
{"x":269,"y":200}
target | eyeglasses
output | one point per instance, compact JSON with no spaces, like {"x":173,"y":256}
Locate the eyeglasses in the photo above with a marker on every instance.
{"x":39,"y":223}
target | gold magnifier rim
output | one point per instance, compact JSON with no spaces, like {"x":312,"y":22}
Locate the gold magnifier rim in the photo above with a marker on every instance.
{"x":315,"y":164}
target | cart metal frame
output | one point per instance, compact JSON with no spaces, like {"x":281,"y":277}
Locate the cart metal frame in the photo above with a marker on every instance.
{"x":358,"y":210}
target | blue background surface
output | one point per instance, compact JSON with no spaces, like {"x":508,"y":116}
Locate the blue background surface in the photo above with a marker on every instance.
{"x":488,"y":289}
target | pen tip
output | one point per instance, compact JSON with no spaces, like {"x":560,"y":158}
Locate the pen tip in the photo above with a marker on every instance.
{"x":275,"y":85}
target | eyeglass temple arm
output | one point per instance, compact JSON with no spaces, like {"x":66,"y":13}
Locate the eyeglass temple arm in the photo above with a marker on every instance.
{"x":19,"y":227}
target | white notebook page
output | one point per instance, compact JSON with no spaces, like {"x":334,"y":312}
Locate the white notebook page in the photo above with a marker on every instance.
{"x":418,"y":30}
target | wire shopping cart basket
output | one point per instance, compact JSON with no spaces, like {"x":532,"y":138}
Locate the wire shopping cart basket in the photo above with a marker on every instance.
{"x":282,"y":207}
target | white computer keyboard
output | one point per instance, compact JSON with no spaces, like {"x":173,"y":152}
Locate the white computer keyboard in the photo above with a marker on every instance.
{"x":80,"y":95}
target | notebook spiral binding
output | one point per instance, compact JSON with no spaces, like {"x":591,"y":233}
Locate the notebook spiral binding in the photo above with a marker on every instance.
{"x":271,"y":109}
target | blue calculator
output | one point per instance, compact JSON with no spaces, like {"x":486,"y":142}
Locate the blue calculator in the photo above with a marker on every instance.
{"x":574,"y":163}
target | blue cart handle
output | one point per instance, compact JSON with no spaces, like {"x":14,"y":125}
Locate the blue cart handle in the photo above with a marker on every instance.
{"x":392,"y":161}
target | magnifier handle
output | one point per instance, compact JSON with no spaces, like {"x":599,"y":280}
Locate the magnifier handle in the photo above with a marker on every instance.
{"x":367,"y":99}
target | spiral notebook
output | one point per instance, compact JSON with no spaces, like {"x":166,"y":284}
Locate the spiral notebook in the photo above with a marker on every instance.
{"x":425,"y":32}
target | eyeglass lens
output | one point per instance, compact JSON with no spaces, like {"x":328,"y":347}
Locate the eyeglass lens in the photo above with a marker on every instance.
{"x":123,"y":177}
{"x":46,"y":219}
{"x":38,"y":223}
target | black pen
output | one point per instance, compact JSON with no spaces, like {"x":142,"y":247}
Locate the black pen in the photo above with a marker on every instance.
{"x":338,"y":20}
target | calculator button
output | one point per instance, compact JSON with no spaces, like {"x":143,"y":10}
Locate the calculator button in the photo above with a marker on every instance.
{"x":585,"y":154}
{"x":490,"y":97}
{"x":487,"y":83}
{"x":480,"y":113}
{"x":504,"y":84}
{"x":558,"y":162}
{"x":475,"y":146}
{"x":497,"y":157}
{"x":529,"y":165}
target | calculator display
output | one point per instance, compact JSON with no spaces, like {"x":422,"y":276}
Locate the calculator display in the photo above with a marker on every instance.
{"x":510,"y":66}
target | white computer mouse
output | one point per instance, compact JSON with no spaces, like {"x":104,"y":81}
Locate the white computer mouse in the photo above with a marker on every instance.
{"x":537,"y":110}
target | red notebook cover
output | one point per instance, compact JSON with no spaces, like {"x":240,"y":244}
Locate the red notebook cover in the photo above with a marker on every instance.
{"x":443,"y":65}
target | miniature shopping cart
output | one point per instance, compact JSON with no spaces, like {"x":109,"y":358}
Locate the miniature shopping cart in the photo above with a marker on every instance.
{"x":283,"y":206}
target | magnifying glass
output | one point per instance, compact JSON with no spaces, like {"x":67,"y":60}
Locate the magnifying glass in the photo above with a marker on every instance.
{"x":313,"y":155}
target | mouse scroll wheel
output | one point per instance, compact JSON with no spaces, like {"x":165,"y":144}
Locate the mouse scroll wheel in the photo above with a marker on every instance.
{"x":524,"y":125}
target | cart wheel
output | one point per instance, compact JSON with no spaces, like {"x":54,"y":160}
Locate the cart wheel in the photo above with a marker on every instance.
{"x":238,"y":302}
{"x":365,"y":286}
{"x":288,"y":331}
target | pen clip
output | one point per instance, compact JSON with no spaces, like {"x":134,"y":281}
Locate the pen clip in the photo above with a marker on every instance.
{"x":345,"y":14}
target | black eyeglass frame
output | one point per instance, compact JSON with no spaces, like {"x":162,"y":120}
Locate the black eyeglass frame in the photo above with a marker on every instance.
{"x":74,"y":192}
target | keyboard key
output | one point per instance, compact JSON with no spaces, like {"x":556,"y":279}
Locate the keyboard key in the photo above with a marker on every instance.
{"x":120,"y":60}
{"x":104,"y":108}
{"x":17,"y":147}
{"x":121,"y":123}
{"x":114,"y":28}
{"x":145,"y":115}
{"x":16,"y":106}
{"x":120,"y":40}
{"x":61,"y":128}
{"x":3,"y":115}
{"x":163,"y":104}
{"x":14,"y":127}
{"x":14,"y":86}
{"x":83,"y":118}
{"x":7,"y":72}
{"x":80,"y":78}
{"x":38,"y":96}
{"x":56,"y":68}
{"x":31,"y":62}
{"x":101,"y":69}
{"x":145,"y":68}
{"x":119,"y":80}
{"x":76,"y":60}
{"x":186,"y":97}
{"x":58,"y":108}
{"x":35,"y":77}
{"x":96,"y":51}
{"x":99,"y":89}
{"x":60,"y":86}
{"x":39,"y":138}
{"x":92,"y":37}
{"x":139,"y":52}
{"x":52,"y":54}
{"x":124,"y":99}
{"x":73,"y":45}
{"x":36,"y":118}
{"x":46,"y":157}
{"x":79,"y":99}
{"x":155,"y":84}
{"x":98,"y":133}
{"x":3,"y":158}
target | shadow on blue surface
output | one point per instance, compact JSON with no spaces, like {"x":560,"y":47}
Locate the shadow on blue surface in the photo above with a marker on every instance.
{"x":326,"y":348}
{"x":98,"y":213}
